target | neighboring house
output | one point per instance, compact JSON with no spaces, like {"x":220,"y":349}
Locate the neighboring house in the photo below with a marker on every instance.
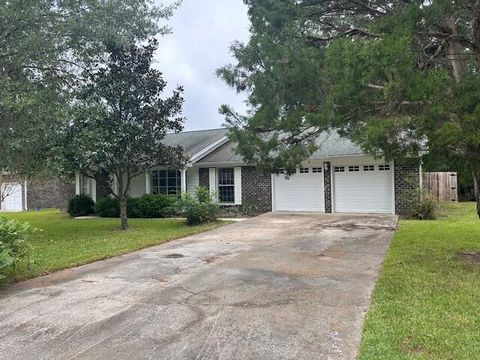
{"x":22,"y":195}
{"x":12,"y":193}
{"x":337,"y":178}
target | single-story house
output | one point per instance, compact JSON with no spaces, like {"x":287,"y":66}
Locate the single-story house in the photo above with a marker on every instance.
{"x":338,"y":178}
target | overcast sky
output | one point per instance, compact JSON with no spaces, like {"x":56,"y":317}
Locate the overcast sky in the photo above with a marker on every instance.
{"x":202,"y":31}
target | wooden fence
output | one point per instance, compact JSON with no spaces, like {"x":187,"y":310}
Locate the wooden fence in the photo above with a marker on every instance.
{"x":443,"y":186}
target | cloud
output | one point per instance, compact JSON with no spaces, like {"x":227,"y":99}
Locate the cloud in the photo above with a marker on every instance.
{"x":202,"y":32}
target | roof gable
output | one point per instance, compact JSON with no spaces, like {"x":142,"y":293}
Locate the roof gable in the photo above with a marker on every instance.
{"x":195,"y":142}
{"x":330,"y":144}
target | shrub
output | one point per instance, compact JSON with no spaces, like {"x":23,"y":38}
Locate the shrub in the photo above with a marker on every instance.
{"x":198,"y":209}
{"x":152,"y":206}
{"x":147,"y":207}
{"x":81,"y":205}
{"x":424,"y":206}
{"x":13,"y":243}
{"x":248,"y":209}
{"x":108,"y":207}
{"x":133,"y":210}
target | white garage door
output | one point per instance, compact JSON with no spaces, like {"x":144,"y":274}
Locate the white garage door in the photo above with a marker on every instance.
{"x":13,"y":201}
{"x":302,"y":191}
{"x":363,"y":188}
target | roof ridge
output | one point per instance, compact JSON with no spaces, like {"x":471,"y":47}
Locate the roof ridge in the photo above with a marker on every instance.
{"x":204,"y":130}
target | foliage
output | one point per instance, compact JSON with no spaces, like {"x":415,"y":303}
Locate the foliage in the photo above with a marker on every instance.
{"x":425,"y":304}
{"x":14,"y":245}
{"x":121,"y":118}
{"x":154,"y":206}
{"x":81,"y":205}
{"x":423,"y":206}
{"x":393,"y":77}
{"x":65,"y":242}
{"x":108,"y":207}
{"x":44,"y":47}
{"x":198,"y":209}
{"x":248,"y":209}
{"x":146,"y":207}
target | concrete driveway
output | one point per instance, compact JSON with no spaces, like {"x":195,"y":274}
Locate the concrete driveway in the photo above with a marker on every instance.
{"x":279,"y":286}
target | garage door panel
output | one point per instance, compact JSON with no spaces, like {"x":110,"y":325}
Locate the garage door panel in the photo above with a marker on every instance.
{"x":13,"y":202}
{"x":299,"y":192}
{"x":363,"y":191}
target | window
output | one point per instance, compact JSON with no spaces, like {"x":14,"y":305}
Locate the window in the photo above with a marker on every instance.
{"x":304,"y":170}
{"x":168,"y":182}
{"x":226,"y":185}
{"x":369,"y":168}
{"x":317,"y":170}
{"x":354,"y":168}
{"x":385,"y":167}
{"x":280,"y":172}
{"x":339,"y":169}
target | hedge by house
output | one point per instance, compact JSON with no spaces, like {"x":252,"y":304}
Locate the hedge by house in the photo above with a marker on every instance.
{"x":81,"y":205}
{"x":147,"y":206}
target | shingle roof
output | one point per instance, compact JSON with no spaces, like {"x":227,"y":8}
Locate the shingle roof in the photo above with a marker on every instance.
{"x":224,"y":154}
{"x":195,"y":141}
{"x":330,"y":144}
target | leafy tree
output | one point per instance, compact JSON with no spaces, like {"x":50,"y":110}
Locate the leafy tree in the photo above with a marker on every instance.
{"x":121,"y":119}
{"x":45,"y":45}
{"x":394,"y":76}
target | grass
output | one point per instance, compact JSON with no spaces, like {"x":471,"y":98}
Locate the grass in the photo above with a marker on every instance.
{"x":65,"y":242}
{"x":426,"y":304}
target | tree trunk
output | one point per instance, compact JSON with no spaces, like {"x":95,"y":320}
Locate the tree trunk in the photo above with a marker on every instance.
{"x":122,"y":197}
{"x":476,"y":33}
{"x":454,"y":50}
{"x":123,"y":212}
{"x":476,"y":180}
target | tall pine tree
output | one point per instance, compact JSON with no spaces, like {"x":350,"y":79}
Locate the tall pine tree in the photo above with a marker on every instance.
{"x":394,"y":76}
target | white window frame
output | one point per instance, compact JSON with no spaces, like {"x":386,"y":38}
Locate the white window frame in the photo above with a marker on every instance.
{"x":157,"y":188}
{"x":226,"y":185}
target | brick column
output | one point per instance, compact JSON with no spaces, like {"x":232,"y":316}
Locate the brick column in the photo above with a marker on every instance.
{"x":327,"y":176}
{"x":407,"y":181}
{"x":256,"y":190}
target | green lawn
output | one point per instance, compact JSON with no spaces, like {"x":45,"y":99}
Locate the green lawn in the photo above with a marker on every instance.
{"x":427,"y":302}
{"x":64,"y":242}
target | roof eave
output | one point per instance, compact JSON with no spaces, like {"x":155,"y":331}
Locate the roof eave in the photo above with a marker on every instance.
{"x":207,"y":150}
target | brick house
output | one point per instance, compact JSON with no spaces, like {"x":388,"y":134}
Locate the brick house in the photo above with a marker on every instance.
{"x":337,"y":178}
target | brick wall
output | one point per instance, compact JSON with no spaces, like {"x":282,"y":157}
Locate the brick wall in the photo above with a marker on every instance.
{"x":328,"y":187}
{"x":256,"y":189}
{"x":407,"y":180}
{"x":49,"y":193}
{"x":204,"y":177}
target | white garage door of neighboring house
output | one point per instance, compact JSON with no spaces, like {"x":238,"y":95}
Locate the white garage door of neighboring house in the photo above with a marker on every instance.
{"x":303,"y":191}
{"x":363,"y":188}
{"x":13,"y":202}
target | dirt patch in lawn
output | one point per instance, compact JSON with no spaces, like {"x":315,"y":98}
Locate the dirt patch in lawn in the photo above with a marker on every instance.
{"x":471,"y":257}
